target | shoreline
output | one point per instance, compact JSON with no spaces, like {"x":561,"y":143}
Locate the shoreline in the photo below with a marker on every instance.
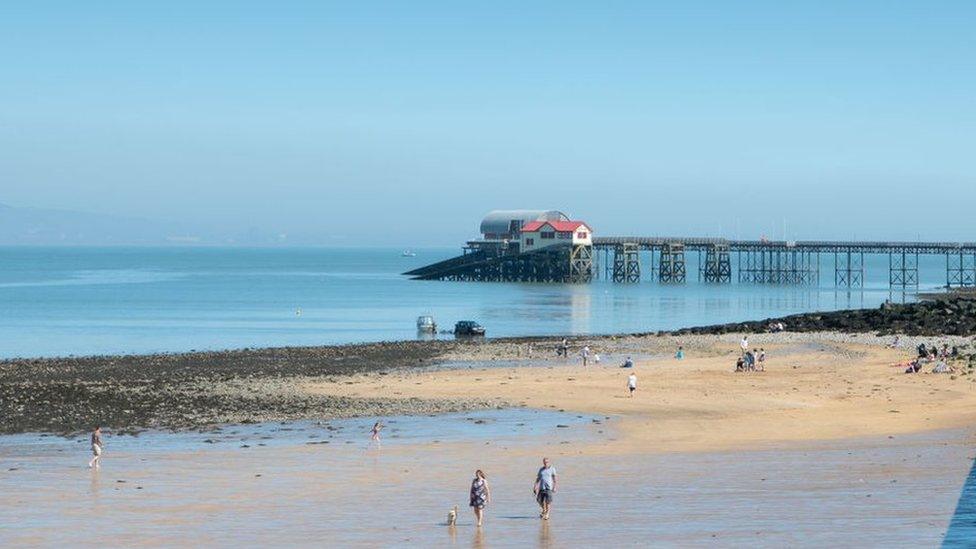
{"x":182,"y":391}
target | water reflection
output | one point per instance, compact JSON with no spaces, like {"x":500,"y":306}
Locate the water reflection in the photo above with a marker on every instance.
{"x":478,"y":538}
{"x":545,"y":537}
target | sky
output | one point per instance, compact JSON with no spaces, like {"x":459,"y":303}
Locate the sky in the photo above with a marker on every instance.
{"x":402,"y":123}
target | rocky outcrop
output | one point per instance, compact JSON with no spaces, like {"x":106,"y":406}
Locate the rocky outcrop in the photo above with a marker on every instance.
{"x":949,"y":315}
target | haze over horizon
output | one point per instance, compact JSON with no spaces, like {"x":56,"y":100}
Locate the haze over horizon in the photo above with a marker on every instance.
{"x":402,"y":124}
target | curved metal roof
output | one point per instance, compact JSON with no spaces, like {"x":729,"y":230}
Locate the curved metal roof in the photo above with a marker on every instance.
{"x":500,"y":221}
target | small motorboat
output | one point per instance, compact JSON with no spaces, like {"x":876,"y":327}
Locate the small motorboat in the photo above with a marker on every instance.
{"x":408,"y":253}
{"x":426,"y":324}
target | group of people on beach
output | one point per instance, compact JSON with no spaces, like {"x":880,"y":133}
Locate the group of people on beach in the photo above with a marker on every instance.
{"x":750,"y":360}
{"x":586,"y":355}
{"x":544,"y":490}
{"x":931,"y":355}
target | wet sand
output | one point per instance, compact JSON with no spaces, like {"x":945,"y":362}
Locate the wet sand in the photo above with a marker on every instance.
{"x":830,"y":446}
{"x":866,"y":492}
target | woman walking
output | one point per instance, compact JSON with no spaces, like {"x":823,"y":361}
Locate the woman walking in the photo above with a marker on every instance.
{"x":480,"y":495}
{"x":374,"y":433}
{"x":96,"y":448}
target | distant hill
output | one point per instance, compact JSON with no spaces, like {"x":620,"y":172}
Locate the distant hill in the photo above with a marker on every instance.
{"x":46,"y":227}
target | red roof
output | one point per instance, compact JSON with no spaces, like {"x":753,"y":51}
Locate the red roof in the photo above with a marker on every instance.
{"x":559,"y":226}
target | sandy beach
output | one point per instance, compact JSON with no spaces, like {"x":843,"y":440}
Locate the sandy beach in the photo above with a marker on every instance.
{"x":815,"y":387}
{"x":832,"y":444}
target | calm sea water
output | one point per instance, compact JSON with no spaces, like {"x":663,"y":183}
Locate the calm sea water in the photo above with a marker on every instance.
{"x":82,"y":301}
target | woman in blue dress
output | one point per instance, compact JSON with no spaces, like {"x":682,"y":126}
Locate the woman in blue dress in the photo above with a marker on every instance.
{"x":480,"y":495}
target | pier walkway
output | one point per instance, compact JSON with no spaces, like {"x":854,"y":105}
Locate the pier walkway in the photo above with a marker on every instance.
{"x":628,"y":259}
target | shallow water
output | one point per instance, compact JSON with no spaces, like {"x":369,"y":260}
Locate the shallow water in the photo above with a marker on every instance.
{"x":178,"y":490}
{"x":81,"y":301}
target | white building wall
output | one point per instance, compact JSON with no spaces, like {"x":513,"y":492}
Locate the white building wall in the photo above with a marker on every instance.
{"x":587,"y":240}
{"x":538,"y":242}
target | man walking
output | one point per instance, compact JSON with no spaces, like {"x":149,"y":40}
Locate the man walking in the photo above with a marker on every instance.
{"x":632,"y":384}
{"x":545,"y":487}
{"x":585,"y":353}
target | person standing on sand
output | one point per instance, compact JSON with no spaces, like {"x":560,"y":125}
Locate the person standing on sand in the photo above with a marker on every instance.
{"x":585,"y":353}
{"x":680,"y":354}
{"x":632,"y":384}
{"x":761,"y":361}
{"x":750,"y":360}
{"x":375,"y":432}
{"x":744,"y":344}
{"x":545,"y":487}
{"x":480,"y":495}
{"x":96,"y":448}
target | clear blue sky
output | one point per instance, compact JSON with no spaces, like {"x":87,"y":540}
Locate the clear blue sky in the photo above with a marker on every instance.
{"x":405,"y":121}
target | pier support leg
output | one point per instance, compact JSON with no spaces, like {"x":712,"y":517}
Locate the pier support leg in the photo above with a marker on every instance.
{"x":626,"y":263}
{"x":849,"y":269}
{"x":672,"y":265}
{"x":718,"y":266}
{"x":581,"y":264}
{"x":902,"y":270}
{"x":960,"y":269}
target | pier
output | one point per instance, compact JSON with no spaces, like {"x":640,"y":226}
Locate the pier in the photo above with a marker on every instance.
{"x":546,"y":246}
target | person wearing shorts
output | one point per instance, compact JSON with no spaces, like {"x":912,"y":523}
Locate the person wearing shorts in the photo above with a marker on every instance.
{"x":632,"y":383}
{"x":545,"y":488}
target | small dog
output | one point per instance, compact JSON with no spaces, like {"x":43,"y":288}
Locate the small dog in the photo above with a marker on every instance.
{"x":452,"y":517}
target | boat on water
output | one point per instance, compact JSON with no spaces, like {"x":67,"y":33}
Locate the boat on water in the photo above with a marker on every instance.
{"x":408,"y":253}
{"x":425,"y":323}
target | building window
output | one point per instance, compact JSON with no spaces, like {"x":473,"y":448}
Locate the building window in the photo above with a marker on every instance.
{"x":529,"y":241}
{"x":565,"y":236}
{"x":546,"y":235}
{"x":581,"y":235}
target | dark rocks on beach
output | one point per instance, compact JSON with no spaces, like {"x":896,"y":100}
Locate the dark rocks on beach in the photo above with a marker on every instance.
{"x":948,"y":315}
{"x":200,"y":389}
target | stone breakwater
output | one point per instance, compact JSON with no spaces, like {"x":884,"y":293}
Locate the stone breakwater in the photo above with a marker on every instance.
{"x":946,"y":316}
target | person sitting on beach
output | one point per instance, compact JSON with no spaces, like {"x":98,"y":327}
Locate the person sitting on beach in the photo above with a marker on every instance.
{"x":375,"y":432}
{"x":632,"y":384}
{"x":914,"y":366}
{"x":480,"y":495}
{"x":896,"y":343}
{"x":740,"y":364}
{"x":680,"y":354}
{"x":942,"y":368}
{"x":96,"y":448}
{"x":627,"y":363}
{"x":922,"y":351}
{"x":545,"y":487}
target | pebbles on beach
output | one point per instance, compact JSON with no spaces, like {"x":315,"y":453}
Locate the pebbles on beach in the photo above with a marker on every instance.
{"x":199,"y":389}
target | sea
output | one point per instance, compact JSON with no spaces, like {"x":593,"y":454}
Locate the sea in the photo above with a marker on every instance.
{"x":76,"y":301}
